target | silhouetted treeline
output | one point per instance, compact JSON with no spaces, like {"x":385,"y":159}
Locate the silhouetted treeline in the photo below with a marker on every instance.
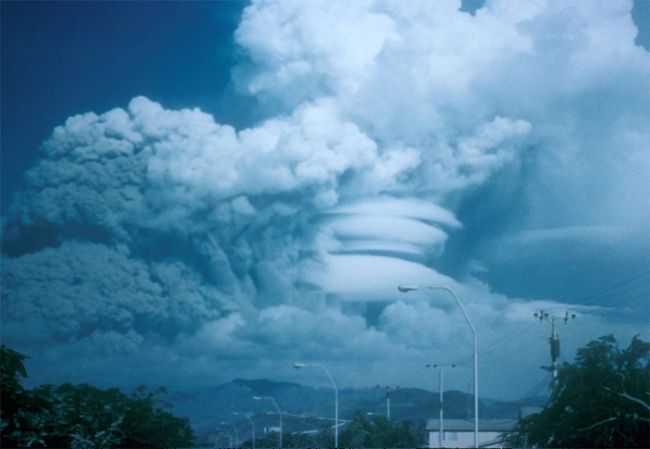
{"x":82,"y":416}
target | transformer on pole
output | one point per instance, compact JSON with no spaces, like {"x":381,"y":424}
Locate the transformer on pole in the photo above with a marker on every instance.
{"x":554,"y":339}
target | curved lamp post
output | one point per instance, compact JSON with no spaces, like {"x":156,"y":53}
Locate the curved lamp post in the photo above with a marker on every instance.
{"x":259,"y":398}
{"x":252,"y":426}
{"x":236,"y":431}
{"x":336,"y":397}
{"x":410,"y":288}
{"x":229,"y":438}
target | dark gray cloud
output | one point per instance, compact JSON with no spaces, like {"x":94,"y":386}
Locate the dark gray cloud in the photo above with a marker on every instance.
{"x":404,"y":143}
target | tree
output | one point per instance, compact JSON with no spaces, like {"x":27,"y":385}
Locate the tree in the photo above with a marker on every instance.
{"x":12,"y":396}
{"x":83,"y":416}
{"x":602,"y":400}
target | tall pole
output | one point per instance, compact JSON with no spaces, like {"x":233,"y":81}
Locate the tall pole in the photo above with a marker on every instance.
{"x":404,"y":289}
{"x":259,"y":398}
{"x":253,"y":429}
{"x":279,"y":413}
{"x":336,"y":407}
{"x":252,"y":426}
{"x":236,"y":431}
{"x":336,"y":397}
{"x":387,"y":393}
{"x":229,"y":438}
{"x":441,"y":390}
{"x":440,"y":387}
{"x":475,"y":386}
{"x":236,"y":434}
{"x":387,"y":406}
{"x":555,"y":339}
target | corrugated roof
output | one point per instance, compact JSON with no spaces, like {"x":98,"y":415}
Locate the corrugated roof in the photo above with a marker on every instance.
{"x":462,"y":425}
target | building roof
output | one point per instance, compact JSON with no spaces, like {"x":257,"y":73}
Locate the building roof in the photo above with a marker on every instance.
{"x":463,"y":425}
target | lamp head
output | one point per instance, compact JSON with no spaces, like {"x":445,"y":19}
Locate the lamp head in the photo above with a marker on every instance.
{"x":407,"y":288}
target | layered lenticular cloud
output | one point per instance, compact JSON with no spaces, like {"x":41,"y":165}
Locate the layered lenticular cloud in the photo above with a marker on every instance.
{"x":151,"y":236}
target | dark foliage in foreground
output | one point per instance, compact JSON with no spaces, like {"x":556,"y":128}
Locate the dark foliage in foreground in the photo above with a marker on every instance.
{"x":82,"y":416}
{"x":602,"y":400}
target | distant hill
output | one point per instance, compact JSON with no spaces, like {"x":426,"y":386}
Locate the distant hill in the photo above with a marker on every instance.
{"x":307,"y":408}
{"x":261,"y":387}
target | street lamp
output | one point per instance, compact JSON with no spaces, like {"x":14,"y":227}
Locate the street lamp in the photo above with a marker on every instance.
{"x":229,"y":438}
{"x":236,"y":431}
{"x":252,"y":426}
{"x":259,"y":398}
{"x":440,"y":390}
{"x":409,"y":288}
{"x":336,"y":397}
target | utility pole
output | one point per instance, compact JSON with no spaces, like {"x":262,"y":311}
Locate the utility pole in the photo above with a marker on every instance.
{"x":387,"y":393}
{"x":236,"y":431}
{"x":407,"y":288}
{"x":336,"y":398}
{"x":554,"y":340}
{"x":247,"y":416}
{"x":229,"y":439}
{"x":259,"y":398}
{"x":441,"y":400}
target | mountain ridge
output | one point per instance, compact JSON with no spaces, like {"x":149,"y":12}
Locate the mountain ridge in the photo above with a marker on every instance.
{"x":303,"y":407}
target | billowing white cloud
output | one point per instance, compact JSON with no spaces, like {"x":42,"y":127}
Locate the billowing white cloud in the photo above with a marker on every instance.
{"x":464,"y":90}
{"x":162,"y":238}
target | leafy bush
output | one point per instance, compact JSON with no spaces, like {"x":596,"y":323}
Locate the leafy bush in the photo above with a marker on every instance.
{"x":602,"y":400}
{"x":83,"y":416}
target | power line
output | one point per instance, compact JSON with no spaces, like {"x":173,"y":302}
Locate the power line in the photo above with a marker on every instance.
{"x":495,"y":346}
{"x":605,"y":292}
{"x":554,"y":339}
{"x":537,"y":387}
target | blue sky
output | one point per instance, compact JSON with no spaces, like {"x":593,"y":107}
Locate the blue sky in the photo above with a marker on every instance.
{"x":232,"y":187}
{"x":61,"y":58}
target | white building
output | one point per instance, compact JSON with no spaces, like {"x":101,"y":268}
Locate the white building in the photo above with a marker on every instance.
{"x":460,"y":432}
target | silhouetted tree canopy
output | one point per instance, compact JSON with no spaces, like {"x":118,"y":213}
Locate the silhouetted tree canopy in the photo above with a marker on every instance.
{"x":83,"y":416}
{"x":601,"y":400}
